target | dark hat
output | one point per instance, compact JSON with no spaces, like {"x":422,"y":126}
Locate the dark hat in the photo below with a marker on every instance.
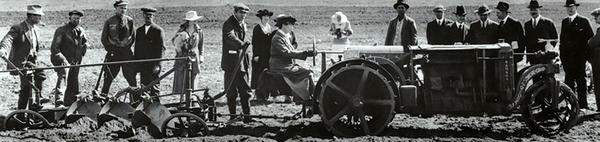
{"x":401,"y":2}
{"x":149,"y":10}
{"x":502,"y":6}
{"x":264,"y":12}
{"x":76,"y":12}
{"x":596,"y":12}
{"x":571,"y":3}
{"x":460,"y":10}
{"x":439,"y":8}
{"x":120,"y":3}
{"x":534,"y":4}
{"x":241,"y":6}
{"x":282,"y":19}
{"x":483,"y":9}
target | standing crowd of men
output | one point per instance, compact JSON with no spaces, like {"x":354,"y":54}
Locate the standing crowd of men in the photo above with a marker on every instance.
{"x":119,"y":35}
{"x":532,"y":36}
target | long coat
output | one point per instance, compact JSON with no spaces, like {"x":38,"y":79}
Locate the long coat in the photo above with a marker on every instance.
{"x":545,"y":29}
{"x":149,"y":45}
{"x":233,"y":39}
{"x":480,"y":35}
{"x":438,"y":34}
{"x":283,"y":54}
{"x":69,"y":44}
{"x":458,"y":34}
{"x":594,"y":44}
{"x":261,"y":45}
{"x":19,"y":41}
{"x":573,"y":39}
{"x":409,"y":32}
{"x":511,"y":30}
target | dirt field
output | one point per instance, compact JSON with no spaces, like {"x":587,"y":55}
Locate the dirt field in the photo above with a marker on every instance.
{"x":369,"y":22}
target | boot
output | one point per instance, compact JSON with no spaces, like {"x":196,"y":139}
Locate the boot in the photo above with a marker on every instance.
{"x":231,"y":105}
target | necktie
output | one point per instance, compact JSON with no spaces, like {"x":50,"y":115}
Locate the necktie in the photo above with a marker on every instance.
{"x":501,"y":23}
{"x":534,"y":23}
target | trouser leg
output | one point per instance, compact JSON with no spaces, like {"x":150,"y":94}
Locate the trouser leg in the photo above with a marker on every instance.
{"x":244,"y":91}
{"x":581,"y":83}
{"x":72,"y":86}
{"x":61,"y":76}
{"x":129,"y":73}
{"x":596,"y":79}
{"x":569,"y":79}
{"x":110,"y":72}
{"x":231,"y":93}
{"x":25,"y":92}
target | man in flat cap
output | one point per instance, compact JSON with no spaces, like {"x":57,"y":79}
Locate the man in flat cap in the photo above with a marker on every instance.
{"x":234,"y":40}
{"x":402,"y":29}
{"x":149,"y":45}
{"x":438,"y":30}
{"x":118,"y":36}
{"x":483,"y":31}
{"x":22,"y":40}
{"x":68,"y":48}
{"x":574,"y":34}
{"x":459,"y":29}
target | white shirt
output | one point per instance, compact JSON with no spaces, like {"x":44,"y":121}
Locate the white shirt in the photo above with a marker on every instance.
{"x":504,"y":20}
{"x":572,"y":17}
{"x":266,"y":28}
{"x":146,"y":27}
{"x":398,"y":40}
{"x":536,"y":20}
{"x":483,"y":23}
{"x":439,"y":21}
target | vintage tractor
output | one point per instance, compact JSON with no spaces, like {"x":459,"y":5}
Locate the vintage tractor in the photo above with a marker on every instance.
{"x":361,"y":94}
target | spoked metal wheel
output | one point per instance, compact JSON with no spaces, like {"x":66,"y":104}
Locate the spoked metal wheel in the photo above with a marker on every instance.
{"x":24,"y":120}
{"x":184,"y":125}
{"x":357,"y":100}
{"x":542,"y":116}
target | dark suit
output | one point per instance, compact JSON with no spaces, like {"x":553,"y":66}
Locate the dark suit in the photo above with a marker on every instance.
{"x":544,"y":29}
{"x":23,"y":42}
{"x":511,"y":30}
{"x":458,"y":34}
{"x":149,"y":45}
{"x":260,"y":49}
{"x":439,"y":34}
{"x":573,"y":53}
{"x":409,"y":33}
{"x":233,"y":39}
{"x":483,"y":35}
{"x":594,"y":44}
{"x":118,"y":35}
{"x":69,"y":45}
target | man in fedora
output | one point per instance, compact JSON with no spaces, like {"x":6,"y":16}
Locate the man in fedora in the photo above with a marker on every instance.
{"x":402,"y":29}
{"x":149,"y":44}
{"x":538,"y":27}
{"x":22,"y":41}
{"x":483,"y":31}
{"x":118,"y":36}
{"x":574,"y":34}
{"x":234,"y":40}
{"x":438,"y":30}
{"x":68,"y":48}
{"x":459,"y":29}
{"x":510,"y":30}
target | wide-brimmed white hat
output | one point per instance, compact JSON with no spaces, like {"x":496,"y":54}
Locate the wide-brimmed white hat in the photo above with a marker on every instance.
{"x":192,"y":16}
{"x":35,"y":9}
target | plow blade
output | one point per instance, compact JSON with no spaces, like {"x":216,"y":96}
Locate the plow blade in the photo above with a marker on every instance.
{"x":80,"y":109}
{"x":152,"y":116}
{"x":113,"y":110}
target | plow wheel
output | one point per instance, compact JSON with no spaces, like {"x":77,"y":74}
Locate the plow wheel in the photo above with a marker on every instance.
{"x":357,"y":100}
{"x":544,"y":118}
{"x":25,"y":119}
{"x":184,"y":125}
